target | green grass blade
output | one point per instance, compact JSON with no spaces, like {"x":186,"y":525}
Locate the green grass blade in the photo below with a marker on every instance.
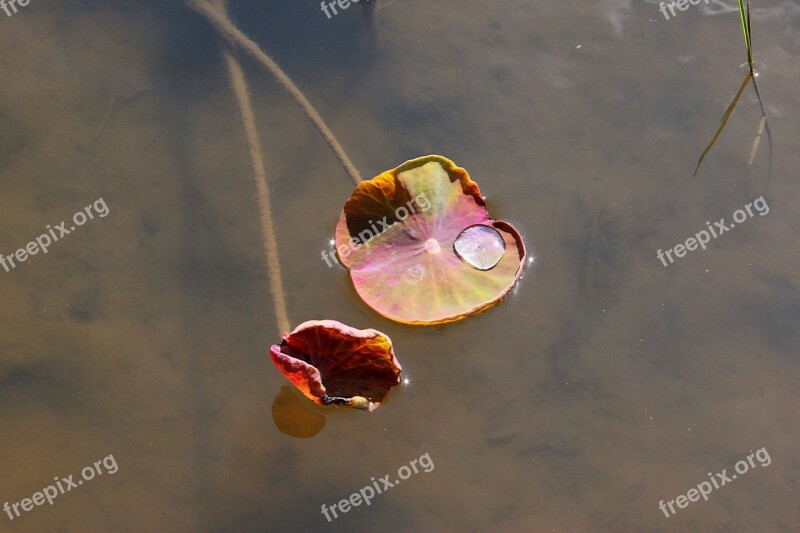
{"x":744,"y":16}
{"x":724,"y":121}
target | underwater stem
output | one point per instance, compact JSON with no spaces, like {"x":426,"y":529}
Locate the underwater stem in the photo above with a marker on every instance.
{"x":224,"y":25}
{"x":239,"y":85}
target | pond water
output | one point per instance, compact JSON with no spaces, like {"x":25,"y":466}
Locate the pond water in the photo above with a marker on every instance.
{"x":605,"y":385}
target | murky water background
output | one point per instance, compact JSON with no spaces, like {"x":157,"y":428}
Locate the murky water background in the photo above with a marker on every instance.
{"x":604,"y":384}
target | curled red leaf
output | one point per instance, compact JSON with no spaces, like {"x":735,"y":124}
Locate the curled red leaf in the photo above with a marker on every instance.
{"x":334,"y":364}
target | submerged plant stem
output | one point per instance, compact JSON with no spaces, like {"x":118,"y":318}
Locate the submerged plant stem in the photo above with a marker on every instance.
{"x":765,"y":127}
{"x":240,"y":89}
{"x":757,"y":140}
{"x":219,"y":19}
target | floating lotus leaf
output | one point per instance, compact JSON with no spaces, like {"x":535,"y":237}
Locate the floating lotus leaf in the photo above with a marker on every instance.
{"x":334,"y":364}
{"x":421,"y":248}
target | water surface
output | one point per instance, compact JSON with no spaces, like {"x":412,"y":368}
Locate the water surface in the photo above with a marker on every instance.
{"x":605,"y":383}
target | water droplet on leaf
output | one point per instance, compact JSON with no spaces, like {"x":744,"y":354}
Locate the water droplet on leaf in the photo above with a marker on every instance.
{"x":480,"y":246}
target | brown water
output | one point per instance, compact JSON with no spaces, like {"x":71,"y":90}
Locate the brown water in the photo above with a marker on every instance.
{"x":605,"y":384}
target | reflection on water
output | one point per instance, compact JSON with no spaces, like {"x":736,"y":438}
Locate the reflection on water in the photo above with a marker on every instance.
{"x":294,"y":416}
{"x":604,"y":384}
